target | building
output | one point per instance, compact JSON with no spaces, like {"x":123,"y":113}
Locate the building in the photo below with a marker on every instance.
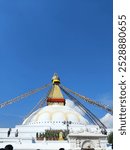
{"x":53,"y":127}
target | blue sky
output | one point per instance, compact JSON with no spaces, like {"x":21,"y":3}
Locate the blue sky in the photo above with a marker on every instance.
{"x":38,"y":38}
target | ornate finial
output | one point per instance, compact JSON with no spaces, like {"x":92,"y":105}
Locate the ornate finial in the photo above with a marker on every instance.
{"x":55,"y":79}
{"x":55,"y":96}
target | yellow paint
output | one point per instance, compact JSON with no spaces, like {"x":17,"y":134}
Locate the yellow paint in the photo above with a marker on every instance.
{"x":69,"y":113}
{"x":56,"y":81}
{"x":55,"y":92}
{"x":60,"y":136}
{"x":41,"y":113}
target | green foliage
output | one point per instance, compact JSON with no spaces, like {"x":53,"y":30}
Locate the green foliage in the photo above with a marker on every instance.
{"x":51,"y":135}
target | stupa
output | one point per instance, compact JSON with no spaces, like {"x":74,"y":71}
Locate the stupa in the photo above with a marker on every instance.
{"x":54,"y":126}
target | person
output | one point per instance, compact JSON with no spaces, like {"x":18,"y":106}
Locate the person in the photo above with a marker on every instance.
{"x":9,"y":131}
{"x":33,"y":140}
{"x":16,"y":133}
{"x":9,"y":147}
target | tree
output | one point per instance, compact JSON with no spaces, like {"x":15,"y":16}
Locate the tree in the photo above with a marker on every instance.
{"x":110,"y":139}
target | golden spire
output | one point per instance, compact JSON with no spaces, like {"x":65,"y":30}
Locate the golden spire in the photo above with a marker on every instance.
{"x":55,"y":79}
{"x":55,"y":96}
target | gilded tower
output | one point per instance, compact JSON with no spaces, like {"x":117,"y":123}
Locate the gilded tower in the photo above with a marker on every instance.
{"x":55,"y":96}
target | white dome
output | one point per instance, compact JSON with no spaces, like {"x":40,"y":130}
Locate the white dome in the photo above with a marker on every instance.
{"x":55,"y":114}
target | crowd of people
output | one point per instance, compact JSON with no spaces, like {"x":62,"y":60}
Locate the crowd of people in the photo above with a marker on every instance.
{"x":10,"y":147}
{"x":7,"y":147}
